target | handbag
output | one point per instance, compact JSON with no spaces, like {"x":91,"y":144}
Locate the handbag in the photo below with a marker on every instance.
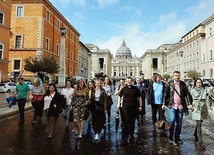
{"x":163,"y":125}
{"x":71,"y":116}
{"x":37,"y":98}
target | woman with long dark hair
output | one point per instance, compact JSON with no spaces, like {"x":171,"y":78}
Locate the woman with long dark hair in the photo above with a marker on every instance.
{"x":199,"y":109}
{"x":98,"y":108}
{"x":52,"y":102}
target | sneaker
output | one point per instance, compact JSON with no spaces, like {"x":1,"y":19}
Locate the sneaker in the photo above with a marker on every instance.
{"x":171,"y":141}
{"x":96,"y":137}
{"x":33,"y":122}
{"x":178,"y":141}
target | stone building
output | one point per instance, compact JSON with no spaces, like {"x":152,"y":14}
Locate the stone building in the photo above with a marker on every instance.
{"x":124,"y":64}
{"x":5,"y":16}
{"x":36,"y":28}
{"x":187,"y":56}
{"x":207,"y":48}
{"x":100,"y":61}
{"x":84,"y":67}
{"x":155,"y":60}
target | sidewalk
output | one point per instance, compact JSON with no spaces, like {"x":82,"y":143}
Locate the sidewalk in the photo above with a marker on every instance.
{"x":6,"y":111}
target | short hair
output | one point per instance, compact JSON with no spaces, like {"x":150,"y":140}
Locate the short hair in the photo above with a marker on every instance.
{"x":129,"y":77}
{"x":177,"y":72}
{"x":21,"y":78}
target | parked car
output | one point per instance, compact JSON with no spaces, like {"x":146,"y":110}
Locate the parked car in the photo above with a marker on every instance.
{"x":7,"y":87}
{"x":29,"y":84}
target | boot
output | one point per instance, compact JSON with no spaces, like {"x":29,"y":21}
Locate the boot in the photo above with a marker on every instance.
{"x":201,"y":146}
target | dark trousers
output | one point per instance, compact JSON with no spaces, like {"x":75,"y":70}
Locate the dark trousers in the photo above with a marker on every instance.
{"x":198,"y":131}
{"x":38,"y":109}
{"x":21,"y":105}
{"x":97,"y":121}
{"x":128,"y":120}
{"x":109,"y":111}
{"x":157,"y":109}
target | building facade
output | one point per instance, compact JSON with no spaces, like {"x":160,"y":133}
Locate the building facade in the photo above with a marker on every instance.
{"x":36,"y":28}
{"x":84,"y":67}
{"x":187,"y":56}
{"x":124,"y":64}
{"x":5,"y":16}
{"x":100,"y":61}
{"x":207,"y":48}
{"x":155,"y":60}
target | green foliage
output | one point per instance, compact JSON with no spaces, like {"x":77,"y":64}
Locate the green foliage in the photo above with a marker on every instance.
{"x":166,"y":76}
{"x":47,"y":64}
{"x":193,"y":74}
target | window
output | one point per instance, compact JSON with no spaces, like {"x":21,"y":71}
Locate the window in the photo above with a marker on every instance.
{"x":57,"y":49}
{"x":101,"y":62}
{"x":155,"y":63}
{"x":210,"y":31}
{"x":20,"y":11}
{"x":211,"y":72}
{"x":203,"y":57}
{"x":71,"y":55}
{"x":18,"y":41}
{"x":1,"y":18}
{"x":211,"y":54}
{"x":1,"y":50}
{"x":47,"y":15}
{"x":58,"y":24}
{"x":47,"y":44}
{"x":16,"y":64}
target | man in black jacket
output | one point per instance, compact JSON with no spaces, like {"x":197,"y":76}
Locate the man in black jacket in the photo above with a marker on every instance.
{"x":175,"y":96}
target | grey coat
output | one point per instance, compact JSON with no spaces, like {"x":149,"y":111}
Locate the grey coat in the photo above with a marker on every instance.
{"x":200,"y":110}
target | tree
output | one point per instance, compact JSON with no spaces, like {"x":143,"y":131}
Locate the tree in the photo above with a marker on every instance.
{"x":193,"y":74}
{"x":47,"y":64}
{"x":166,"y":76}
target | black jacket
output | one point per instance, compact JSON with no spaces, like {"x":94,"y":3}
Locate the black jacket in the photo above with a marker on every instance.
{"x":150,"y":95}
{"x":186,"y":97}
{"x":60,"y":103}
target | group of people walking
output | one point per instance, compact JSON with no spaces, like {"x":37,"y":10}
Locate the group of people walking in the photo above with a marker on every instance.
{"x":94,"y":101}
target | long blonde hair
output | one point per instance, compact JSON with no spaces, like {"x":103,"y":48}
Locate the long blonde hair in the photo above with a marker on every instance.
{"x":80,"y":90}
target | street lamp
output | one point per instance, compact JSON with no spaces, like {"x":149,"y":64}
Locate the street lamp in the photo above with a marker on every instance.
{"x":61,"y":77}
{"x":63,"y":31}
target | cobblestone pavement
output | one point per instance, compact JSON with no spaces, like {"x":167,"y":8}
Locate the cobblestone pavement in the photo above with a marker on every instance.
{"x":31,"y":139}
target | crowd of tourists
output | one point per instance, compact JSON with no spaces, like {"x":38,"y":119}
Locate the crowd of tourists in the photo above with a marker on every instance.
{"x":92,"y":102}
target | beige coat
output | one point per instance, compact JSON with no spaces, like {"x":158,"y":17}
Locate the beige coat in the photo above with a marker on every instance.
{"x":200,"y":110}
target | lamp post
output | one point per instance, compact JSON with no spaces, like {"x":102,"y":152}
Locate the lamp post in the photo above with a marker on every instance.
{"x":61,"y":77}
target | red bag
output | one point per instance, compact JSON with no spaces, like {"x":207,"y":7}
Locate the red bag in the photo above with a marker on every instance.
{"x":37,"y":98}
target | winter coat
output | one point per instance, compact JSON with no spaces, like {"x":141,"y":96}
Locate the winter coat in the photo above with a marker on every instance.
{"x":186,"y":97}
{"x":200,"y":110}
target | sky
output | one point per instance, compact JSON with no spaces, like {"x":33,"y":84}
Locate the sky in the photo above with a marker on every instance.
{"x":143,"y":24}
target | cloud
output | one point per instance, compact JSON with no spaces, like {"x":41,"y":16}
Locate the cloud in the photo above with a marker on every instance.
{"x":105,"y":3}
{"x":169,"y":28}
{"x":139,"y":40}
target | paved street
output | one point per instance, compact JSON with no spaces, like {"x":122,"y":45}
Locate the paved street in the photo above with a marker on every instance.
{"x":31,"y":139}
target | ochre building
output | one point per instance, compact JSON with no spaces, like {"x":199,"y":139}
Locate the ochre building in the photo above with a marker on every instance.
{"x":36,"y":31}
{"x":5,"y":14}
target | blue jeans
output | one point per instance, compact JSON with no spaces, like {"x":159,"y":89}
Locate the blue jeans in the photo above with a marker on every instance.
{"x":175,"y":120}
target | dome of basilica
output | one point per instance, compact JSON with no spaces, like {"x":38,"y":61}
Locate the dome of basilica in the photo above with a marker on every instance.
{"x":123,"y":51}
